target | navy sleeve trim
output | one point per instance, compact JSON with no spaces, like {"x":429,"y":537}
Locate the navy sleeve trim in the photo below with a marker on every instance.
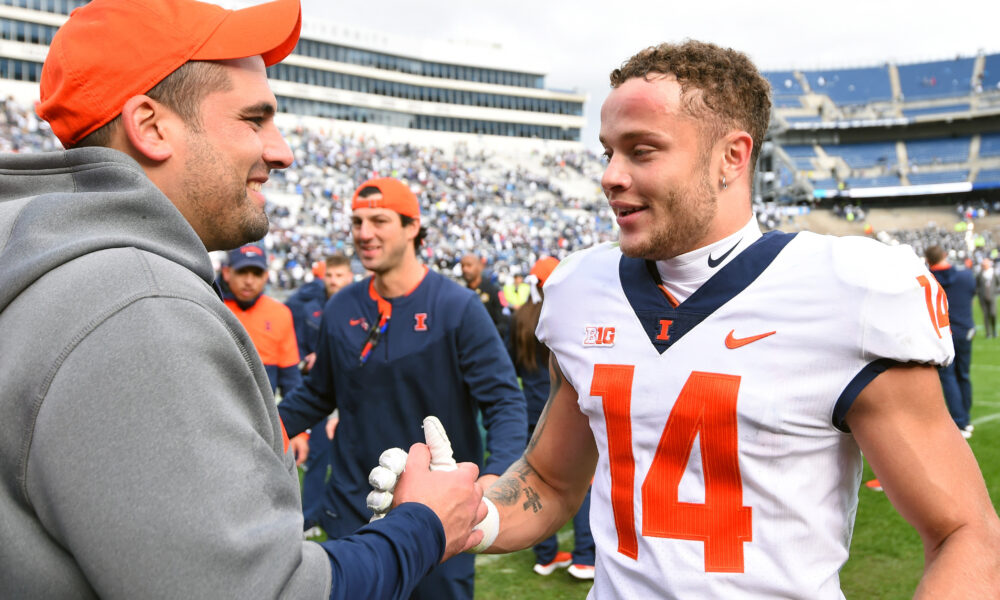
{"x":862,"y":379}
{"x":387,"y":558}
{"x":640,"y":281}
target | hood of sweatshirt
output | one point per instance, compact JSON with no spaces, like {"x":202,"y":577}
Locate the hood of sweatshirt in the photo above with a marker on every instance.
{"x":58,"y":206}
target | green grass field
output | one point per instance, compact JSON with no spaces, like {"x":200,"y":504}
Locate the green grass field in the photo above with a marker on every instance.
{"x":886,"y":555}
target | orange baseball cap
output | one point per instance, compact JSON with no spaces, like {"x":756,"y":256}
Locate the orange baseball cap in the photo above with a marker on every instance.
{"x":396,"y":196}
{"x":543,"y":268}
{"x":111,"y":50}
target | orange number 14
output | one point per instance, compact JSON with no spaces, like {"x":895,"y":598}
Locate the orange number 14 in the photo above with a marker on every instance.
{"x":937,"y":311}
{"x":706,"y":408}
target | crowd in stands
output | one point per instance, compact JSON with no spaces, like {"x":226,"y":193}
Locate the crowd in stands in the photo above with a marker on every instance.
{"x":511,"y":214}
{"x":22,"y":131}
{"x":965,"y":246}
{"x":508,"y":211}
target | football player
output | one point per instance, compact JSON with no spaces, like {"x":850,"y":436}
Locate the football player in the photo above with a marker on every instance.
{"x":720,"y":384}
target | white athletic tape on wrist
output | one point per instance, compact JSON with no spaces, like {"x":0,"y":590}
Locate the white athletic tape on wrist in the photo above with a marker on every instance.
{"x":490,"y":526}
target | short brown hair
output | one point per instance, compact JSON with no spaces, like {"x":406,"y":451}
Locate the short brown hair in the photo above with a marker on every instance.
{"x":182,"y":92}
{"x":935,"y":254}
{"x":337,"y":260}
{"x":733,"y":92}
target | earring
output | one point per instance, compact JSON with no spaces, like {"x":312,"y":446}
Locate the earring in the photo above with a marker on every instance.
{"x":724,"y":186}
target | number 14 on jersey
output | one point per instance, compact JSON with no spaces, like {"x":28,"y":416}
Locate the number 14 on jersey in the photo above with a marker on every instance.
{"x":705,"y":408}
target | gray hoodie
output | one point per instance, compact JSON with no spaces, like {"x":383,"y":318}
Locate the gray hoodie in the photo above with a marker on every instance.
{"x":140,"y":451}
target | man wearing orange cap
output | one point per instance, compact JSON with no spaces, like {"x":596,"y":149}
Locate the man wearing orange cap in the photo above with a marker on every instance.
{"x":141,"y":454}
{"x":395,"y":347}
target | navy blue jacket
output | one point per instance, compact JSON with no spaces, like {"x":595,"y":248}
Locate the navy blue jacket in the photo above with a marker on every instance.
{"x":441,"y":355}
{"x":307,"y":305}
{"x":960,"y":289}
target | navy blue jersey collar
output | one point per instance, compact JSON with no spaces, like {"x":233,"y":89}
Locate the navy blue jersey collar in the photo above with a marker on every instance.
{"x":665,"y":324}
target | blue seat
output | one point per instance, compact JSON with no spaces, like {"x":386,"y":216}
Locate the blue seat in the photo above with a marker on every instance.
{"x":852,"y":86}
{"x":938,"y":79}
{"x":938,"y":150}
{"x":870,"y":154}
{"x":991,"y":72}
{"x":826,"y":183}
{"x":989,"y":144}
{"x":870,"y":182}
{"x":988,"y":176}
{"x":932,"y":110}
{"x":941,"y":177}
{"x":785,"y":89}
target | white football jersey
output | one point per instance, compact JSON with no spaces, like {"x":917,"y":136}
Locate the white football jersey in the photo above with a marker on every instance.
{"x":725,"y":468}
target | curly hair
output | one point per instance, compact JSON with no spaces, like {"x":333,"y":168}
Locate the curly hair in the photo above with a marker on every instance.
{"x":719,"y":86}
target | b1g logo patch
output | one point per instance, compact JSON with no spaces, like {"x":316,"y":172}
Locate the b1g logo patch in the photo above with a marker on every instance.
{"x":603,"y":337}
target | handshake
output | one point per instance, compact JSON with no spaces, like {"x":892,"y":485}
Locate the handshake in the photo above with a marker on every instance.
{"x":391,"y":488}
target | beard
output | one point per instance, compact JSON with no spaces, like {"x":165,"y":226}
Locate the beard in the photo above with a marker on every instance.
{"x":220,"y":209}
{"x":681,"y":219}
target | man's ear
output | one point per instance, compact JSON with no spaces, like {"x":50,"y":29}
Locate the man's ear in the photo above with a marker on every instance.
{"x":414,"y":226}
{"x":147,"y":125}
{"x":737,"y":148}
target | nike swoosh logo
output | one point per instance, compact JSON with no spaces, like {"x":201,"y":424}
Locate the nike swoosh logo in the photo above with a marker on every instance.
{"x":714,"y":262}
{"x":733,"y":342}
{"x":356,"y":322}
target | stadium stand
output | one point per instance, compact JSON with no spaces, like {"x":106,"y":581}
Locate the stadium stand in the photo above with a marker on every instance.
{"x":888,"y":128}
{"x":938,"y":151}
{"x":786,"y":87}
{"x":988,"y":175}
{"x":989,"y":145}
{"x":871,"y":154}
{"x":922,"y":178}
{"x":496,"y":156}
{"x":852,"y":86}
{"x":990,"y":78}
{"x":877,"y":181}
{"x":801,"y":155}
{"x":933,"y":110}
{"x":945,"y":78}
{"x":360,"y":75}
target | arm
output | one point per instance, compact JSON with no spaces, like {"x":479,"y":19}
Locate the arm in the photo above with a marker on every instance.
{"x":182,"y":470}
{"x":125,"y":477}
{"x":299,"y":447}
{"x":413,"y":537}
{"x":545,"y":487}
{"x":299,"y":322}
{"x":309,"y":403}
{"x":289,"y":378}
{"x":491,"y":380}
{"x":930,"y":475}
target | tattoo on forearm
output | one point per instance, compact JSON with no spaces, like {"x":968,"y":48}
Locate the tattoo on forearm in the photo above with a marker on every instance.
{"x":532,"y":500}
{"x":507,"y":490}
